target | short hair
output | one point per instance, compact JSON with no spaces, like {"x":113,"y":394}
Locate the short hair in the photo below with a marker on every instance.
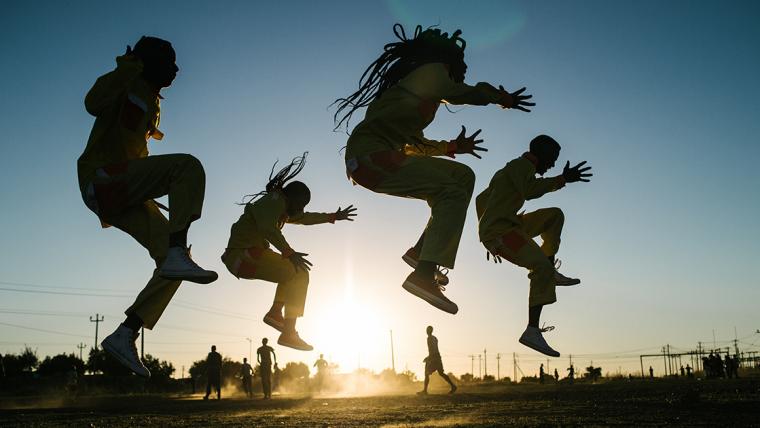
{"x":264,"y":341}
{"x":543,"y":142}
{"x":213,"y":347}
{"x":429,"y":329}
{"x":151,"y":47}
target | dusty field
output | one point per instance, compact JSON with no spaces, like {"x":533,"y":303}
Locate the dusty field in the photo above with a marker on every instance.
{"x":687,"y":403}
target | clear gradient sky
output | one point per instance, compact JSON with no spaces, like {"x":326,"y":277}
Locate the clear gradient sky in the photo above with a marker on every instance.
{"x":660,"y":97}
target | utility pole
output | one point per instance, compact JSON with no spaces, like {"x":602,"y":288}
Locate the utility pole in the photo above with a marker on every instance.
{"x":393,"y":356}
{"x":670,"y":369}
{"x":485,"y":362}
{"x":665,"y":361}
{"x":81,"y":346}
{"x":472,"y":365}
{"x":699,"y":355}
{"x":736,"y":343}
{"x":514,"y":367}
{"x":183,"y":372}
{"x":480,"y":366}
{"x":498,"y":367}
{"x":98,"y":319}
{"x":250,"y":347}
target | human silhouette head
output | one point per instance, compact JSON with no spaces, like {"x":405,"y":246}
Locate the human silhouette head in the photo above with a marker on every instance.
{"x":159,"y":60}
{"x":321,"y":356}
{"x":264,"y":341}
{"x":429,"y":330}
{"x":546,"y":150}
{"x":213,"y":348}
{"x":298,"y":196}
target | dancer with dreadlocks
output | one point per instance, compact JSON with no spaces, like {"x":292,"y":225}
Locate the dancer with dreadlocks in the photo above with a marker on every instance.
{"x":388,"y":153}
{"x":248,"y":255}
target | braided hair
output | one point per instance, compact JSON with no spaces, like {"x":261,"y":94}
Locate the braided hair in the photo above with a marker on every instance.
{"x":398,"y":60}
{"x":279,"y":181}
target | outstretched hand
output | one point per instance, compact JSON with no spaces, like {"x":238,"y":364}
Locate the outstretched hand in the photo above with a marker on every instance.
{"x":496,"y":257}
{"x":576,"y":173}
{"x":299,"y":261}
{"x":345,"y":214}
{"x":468,"y":145}
{"x":515,"y":99}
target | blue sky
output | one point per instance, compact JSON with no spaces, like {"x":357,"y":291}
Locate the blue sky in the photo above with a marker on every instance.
{"x":659,"y":97}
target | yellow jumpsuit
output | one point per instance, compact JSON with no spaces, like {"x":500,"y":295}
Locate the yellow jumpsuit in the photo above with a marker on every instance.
{"x":510,"y":235}
{"x":118,"y":180}
{"x":388,"y":153}
{"x":248,"y":254}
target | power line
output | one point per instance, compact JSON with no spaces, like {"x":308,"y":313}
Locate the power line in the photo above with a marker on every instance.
{"x":42,"y":330}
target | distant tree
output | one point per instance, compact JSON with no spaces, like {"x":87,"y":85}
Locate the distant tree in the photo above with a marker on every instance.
{"x":488,"y":378}
{"x":160,"y":371}
{"x":25,"y":362}
{"x":409,"y":375}
{"x":593,"y":373}
{"x":230,"y":369}
{"x":60,"y":364}
{"x":294,"y":371}
{"x":467,"y":378}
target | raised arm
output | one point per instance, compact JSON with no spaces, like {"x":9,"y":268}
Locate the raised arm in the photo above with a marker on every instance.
{"x":110,"y":87}
{"x":308,"y":218}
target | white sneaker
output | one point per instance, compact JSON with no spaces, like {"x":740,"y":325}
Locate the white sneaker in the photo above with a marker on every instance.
{"x":179,"y":266}
{"x":532,"y":338}
{"x":562,"y":280}
{"x":121,"y":345}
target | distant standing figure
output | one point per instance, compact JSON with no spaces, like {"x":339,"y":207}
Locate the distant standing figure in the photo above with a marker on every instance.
{"x":651,"y":372}
{"x":571,"y":373}
{"x":688,"y":370}
{"x":541,"y":374}
{"x":264,"y":356}
{"x":276,"y":377}
{"x":556,"y":375}
{"x":246,"y":373}
{"x":433,"y":362}
{"x":213,"y":373}
{"x":683,"y":371}
{"x":321,"y":365}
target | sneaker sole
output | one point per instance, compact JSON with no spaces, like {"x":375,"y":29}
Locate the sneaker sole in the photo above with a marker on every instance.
{"x":181,"y":276}
{"x":448,"y":307}
{"x":537,"y":349}
{"x":293,"y":346}
{"x":274,"y":324}
{"x":123,"y":361}
{"x":441,"y":278}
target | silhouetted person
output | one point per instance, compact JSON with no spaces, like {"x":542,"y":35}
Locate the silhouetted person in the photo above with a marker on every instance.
{"x":683,"y":371}
{"x":246,"y":373}
{"x":688,"y":371}
{"x":541,"y":374}
{"x":119,"y":181}
{"x":264,"y":357}
{"x":433,"y":362}
{"x":571,"y":373}
{"x":213,"y":373}
{"x":556,"y":375}
{"x":651,"y":372}
{"x":508,"y":234}
{"x":387,"y":152}
{"x":321,"y":365}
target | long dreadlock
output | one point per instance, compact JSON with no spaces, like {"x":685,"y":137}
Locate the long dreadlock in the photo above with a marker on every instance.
{"x":399,"y":59}
{"x":279,"y":180}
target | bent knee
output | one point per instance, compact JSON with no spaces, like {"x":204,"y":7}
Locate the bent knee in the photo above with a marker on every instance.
{"x":556,"y":213}
{"x":466,"y":177}
{"x":190,"y":162}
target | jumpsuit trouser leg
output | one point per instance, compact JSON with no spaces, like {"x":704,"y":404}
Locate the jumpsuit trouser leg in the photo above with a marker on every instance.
{"x":447,"y":188}
{"x":518,"y":247}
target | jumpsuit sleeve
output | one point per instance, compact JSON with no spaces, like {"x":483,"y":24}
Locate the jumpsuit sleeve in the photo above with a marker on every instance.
{"x":452,"y":92}
{"x":537,"y":187}
{"x":267,"y":212}
{"x":312,"y":218}
{"x":431,"y":148}
{"x":110,"y":87}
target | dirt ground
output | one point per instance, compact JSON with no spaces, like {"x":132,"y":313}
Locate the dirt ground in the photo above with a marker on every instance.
{"x":659,"y":402}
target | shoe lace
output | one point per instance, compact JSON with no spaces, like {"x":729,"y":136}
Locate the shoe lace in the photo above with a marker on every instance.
{"x":557,"y":264}
{"x":187,"y":256}
{"x":544,"y":328}
{"x":133,"y":347}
